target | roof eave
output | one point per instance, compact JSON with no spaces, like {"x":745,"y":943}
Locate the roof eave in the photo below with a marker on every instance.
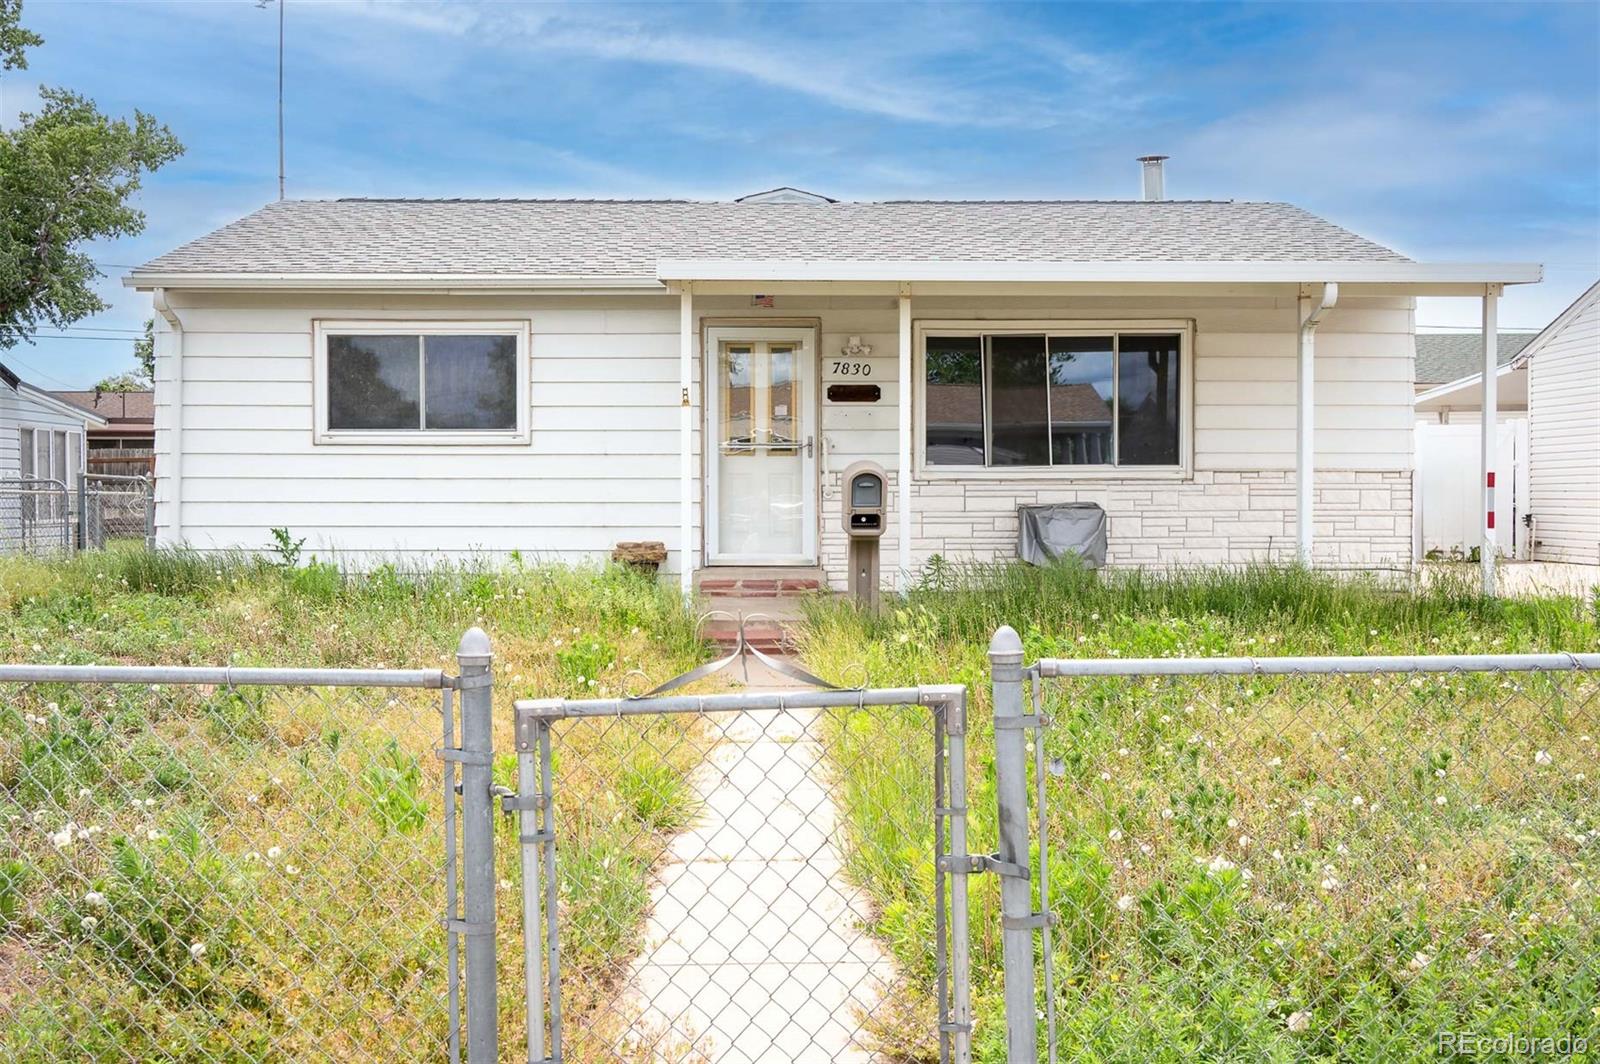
{"x":148,"y":280}
{"x":1467,"y":277}
{"x":61,"y":405}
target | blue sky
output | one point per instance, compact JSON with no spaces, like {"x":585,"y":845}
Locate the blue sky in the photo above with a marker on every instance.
{"x":1448,"y":131}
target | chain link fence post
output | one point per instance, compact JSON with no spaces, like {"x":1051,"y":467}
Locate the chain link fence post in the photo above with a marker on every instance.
{"x":476,"y":755}
{"x":1016,"y":902}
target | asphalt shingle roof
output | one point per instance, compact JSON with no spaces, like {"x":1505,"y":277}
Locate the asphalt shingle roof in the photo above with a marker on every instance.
{"x":626,"y":238}
{"x":1446,"y":357}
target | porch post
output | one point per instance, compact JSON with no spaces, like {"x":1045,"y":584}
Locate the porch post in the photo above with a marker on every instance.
{"x":686,"y":439}
{"x":1305,"y":464}
{"x":1489,"y":428}
{"x":903,"y":475}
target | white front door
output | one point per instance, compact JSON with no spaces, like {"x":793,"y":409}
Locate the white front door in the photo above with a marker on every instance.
{"x":762,"y":484}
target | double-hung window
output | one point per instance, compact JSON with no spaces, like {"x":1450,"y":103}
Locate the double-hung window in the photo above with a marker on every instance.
{"x":433,"y":382}
{"x":1054,"y":398}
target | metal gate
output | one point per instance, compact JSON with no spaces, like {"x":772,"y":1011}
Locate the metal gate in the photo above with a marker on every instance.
{"x":35,"y":516}
{"x":698,"y":885}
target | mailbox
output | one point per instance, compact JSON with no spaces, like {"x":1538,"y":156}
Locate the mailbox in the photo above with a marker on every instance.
{"x":866,"y":491}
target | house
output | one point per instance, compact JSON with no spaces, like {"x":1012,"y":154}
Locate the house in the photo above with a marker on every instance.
{"x":41,"y":463}
{"x":426,"y":377}
{"x":1563,"y":366}
{"x":126,"y":444}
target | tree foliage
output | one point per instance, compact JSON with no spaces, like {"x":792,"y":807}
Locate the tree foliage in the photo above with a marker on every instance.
{"x":67,"y":173}
{"x":122,"y":382}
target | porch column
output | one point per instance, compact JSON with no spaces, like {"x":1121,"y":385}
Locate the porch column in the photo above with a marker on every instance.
{"x":1305,"y":463}
{"x":1491,"y":436}
{"x":686,"y":440}
{"x":903,"y":475}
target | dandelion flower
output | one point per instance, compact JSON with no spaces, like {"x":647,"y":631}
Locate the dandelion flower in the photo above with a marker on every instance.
{"x":1330,"y":883}
{"x":1419,"y":960}
{"x":1115,"y":835}
{"x":197,"y":950}
{"x":291,"y":870}
{"x":89,"y":923}
{"x":1220,"y":864}
{"x":153,"y":835}
{"x":62,"y":839}
{"x":1543,"y":757}
{"x":1441,"y":800}
{"x":274,"y":852}
{"x":1300,"y":1021}
{"x":1125,"y":903}
{"x":1358,"y":801}
{"x":1167,"y":814}
{"x":95,"y":898}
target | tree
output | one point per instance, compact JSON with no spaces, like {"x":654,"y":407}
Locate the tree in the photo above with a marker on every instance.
{"x":67,"y":173}
{"x":122,"y":382}
{"x":144,"y":351}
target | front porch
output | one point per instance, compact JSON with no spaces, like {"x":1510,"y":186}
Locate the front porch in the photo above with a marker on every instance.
{"x":1284,"y":452}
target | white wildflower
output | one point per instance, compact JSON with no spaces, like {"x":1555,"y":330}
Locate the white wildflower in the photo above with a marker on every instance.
{"x":1419,"y":960}
{"x":291,"y":869}
{"x":1219,"y":864}
{"x":153,"y":835}
{"x":1543,"y":757}
{"x":1441,"y":800}
{"x":89,"y":923}
{"x":1301,"y":1021}
{"x":62,"y":839}
{"x":1115,"y":835}
{"x":1125,"y":903}
{"x":1330,"y":883}
{"x":1358,"y":801}
{"x":1244,"y":842}
{"x":95,"y":899}
{"x":1167,"y":814}
{"x":274,"y":852}
{"x":197,"y":950}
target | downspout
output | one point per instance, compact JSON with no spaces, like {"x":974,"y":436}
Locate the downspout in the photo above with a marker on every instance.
{"x":1305,"y":424}
{"x":174,"y":381}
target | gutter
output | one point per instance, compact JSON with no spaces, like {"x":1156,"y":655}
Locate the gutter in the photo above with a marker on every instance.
{"x":174,"y":379}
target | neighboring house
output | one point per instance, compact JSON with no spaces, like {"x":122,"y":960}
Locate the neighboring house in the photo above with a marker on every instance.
{"x":1548,"y":408}
{"x":126,"y":444}
{"x":41,"y":462}
{"x":1450,"y":369}
{"x":1563,"y":364}
{"x":425,"y":377}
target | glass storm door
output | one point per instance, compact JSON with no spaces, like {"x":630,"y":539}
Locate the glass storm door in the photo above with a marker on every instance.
{"x":762,"y":490}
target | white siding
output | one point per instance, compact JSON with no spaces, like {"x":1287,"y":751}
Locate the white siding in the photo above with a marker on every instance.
{"x":1564,"y":438}
{"x":602,"y":462}
{"x":20,"y":410}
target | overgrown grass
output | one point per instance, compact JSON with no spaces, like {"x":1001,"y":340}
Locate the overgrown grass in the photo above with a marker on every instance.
{"x":1298,"y":869}
{"x":255,"y":874}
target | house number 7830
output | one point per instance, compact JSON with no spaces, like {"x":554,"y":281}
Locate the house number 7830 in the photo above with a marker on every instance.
{"x":852,"y":369}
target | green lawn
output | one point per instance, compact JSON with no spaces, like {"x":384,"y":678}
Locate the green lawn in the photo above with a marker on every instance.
{"x":255,"y":875}
{"x":1256,"y":869}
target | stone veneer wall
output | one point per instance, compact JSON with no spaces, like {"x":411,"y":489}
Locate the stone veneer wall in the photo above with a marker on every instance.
{"x":1362,"y":518}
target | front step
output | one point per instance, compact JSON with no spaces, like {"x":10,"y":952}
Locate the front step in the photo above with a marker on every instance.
{"x":769,"y":637}
{"x":746,"y":582}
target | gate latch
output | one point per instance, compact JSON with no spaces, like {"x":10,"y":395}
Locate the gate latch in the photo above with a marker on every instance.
{"x":978,"y":863}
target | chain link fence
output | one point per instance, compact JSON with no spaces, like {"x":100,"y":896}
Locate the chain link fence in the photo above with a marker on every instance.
{"x":1313,"y":859}
{"x":116,"y":508}
{"x":726,"y":878}
{"x":36,"y":516}
{"x":222,"y":865}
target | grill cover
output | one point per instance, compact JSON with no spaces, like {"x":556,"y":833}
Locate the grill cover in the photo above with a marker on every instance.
{"x":1062,"y":530}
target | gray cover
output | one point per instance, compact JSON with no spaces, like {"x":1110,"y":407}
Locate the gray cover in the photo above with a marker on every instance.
{"x":1062,"y":530}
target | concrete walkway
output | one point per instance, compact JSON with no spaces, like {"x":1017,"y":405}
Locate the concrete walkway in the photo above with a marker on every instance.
{"x":756,"y":949}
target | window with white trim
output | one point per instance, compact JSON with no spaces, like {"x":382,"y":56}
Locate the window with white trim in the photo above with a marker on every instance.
{"x":50,"y":454}
{"x":1049,"y":399}
{"x":434,"y":382}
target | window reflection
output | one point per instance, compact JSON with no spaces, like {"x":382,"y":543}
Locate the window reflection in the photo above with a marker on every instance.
{"x":953,"y":403}
{"x":1081,"y":389}
{"x":1147,"y":402}
{"x":1019,"y":433}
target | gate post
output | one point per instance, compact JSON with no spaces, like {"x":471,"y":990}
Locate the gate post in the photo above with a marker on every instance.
{"x":475,"y":661}
{"x":1016,"y":891}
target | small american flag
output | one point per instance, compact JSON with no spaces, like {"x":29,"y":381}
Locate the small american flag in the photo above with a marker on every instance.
{"x":761,"y":301}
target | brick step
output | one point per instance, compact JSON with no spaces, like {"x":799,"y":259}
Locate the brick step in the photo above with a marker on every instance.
{"x":740,"y":587}
{"x":769,"y":637}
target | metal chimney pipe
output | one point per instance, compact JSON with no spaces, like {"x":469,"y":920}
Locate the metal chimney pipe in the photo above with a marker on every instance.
{"x":1154,"y":177}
